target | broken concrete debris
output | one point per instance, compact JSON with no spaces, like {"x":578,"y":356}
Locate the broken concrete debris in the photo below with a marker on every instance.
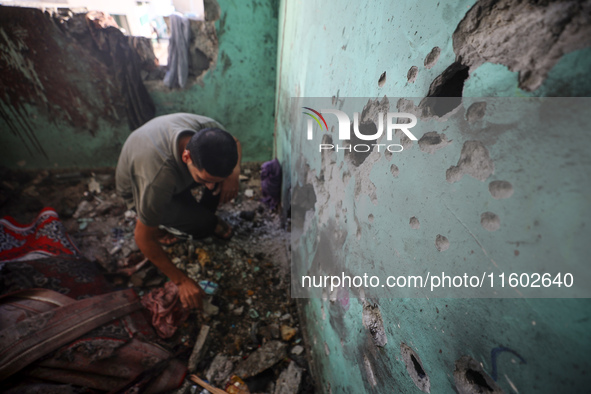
{"x":289,"y":380}
{"x":220,"y":369}
{"x":265,"y":357}
{"x":249,"y":326}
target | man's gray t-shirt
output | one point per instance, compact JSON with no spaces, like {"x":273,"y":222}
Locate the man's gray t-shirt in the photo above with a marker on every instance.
{"x":150,"y":168}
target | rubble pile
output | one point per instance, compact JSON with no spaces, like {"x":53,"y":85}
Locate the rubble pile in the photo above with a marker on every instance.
{"x":248,"y":338}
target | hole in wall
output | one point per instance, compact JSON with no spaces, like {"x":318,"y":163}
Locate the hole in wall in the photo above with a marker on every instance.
{"x":432,"y":57}
{"x":526,"y":36}
{"x":441,"y":243}
{"x":382,"y":79}
{"x":411,"y":76}
{"x":418,"y":368}
{"x":415,"y":369}
{"x":449,"y":84}
{"x":470,"y":378}
{"x":476,"y":112}
{"x":490,"y":221}
{"x":477,"y":379}
{"x":372,"y":321}
{"x":394,"y":170}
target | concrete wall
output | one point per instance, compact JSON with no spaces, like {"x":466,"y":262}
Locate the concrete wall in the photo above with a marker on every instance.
{"x":61,"y":108}
{"x":357,"y":211}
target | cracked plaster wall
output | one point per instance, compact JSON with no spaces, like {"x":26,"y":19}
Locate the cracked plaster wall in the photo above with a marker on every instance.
{"x":492,"y":207}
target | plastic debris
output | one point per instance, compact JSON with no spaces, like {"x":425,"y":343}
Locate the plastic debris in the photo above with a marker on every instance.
{"x":209,"y":309}
{"x":297,"y":350}
{"x":203,"y":257}
{"x":238,"y":311}
{"x":236,"y":386}
{"x":253,"y":314}
{"x":249,"y":193}
{"x":287,"y":332}
{"x":84,"y":223}
{"x":208,"y":287}
{"x":94,"y":186}
{"x":193,"y":271}
{"x":285,"y":317}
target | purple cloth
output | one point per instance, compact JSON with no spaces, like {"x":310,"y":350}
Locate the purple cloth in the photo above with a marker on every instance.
{"x":271,"y":183}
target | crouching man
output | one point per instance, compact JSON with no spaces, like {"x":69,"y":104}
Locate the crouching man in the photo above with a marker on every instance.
{"x":159,"y":165}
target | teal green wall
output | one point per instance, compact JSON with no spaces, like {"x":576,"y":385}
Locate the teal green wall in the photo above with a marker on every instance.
{"x":84,"y":125}
{"x":341,"y":50}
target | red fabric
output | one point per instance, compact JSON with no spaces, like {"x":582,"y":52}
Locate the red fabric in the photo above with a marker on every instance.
{"x":44,"y":237}
{"x":42,"y":255}
{"x":166,"y":309}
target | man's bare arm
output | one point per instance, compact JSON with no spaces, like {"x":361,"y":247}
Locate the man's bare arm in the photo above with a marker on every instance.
{"x":146,"y":238}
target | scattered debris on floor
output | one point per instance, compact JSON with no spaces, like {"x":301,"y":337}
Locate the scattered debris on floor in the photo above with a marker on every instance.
{"x":248,"y":338}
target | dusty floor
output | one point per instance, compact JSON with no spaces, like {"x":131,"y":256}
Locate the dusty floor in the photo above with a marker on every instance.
{"x":251,"y":310}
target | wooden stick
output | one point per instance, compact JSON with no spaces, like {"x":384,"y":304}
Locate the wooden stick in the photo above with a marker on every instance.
{"x":206,"y":386}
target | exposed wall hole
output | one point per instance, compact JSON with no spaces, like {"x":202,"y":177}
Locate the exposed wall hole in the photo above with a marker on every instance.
{"x":388,"y":155}
{"x":382,"y":79}
{"x":450,"y":84}
{"x":412,"y":74}
{"x":394,"y":170}
{"x":372,"y":321}
{"x":476,"y":112}
{"x":370,"y":218}
{"x":500,"y":189}
{"x":526,"y":36}
{"x":432,"y":57}
{"x":418,"y":368}
{"x":470,"y":378}
{"x":414,"y":223}
{"x":441,"y":243}
{"x":415,"y":369}
{"x":490,"y":221}
{"x":474,"y":161}
{"x":433,"y":141}
{"x":477,"y":379}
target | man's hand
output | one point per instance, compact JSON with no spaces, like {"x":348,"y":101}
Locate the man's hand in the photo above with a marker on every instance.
{"x":146,"y":238}
{"x":228,"y":188}
{"x":190,"y":293}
